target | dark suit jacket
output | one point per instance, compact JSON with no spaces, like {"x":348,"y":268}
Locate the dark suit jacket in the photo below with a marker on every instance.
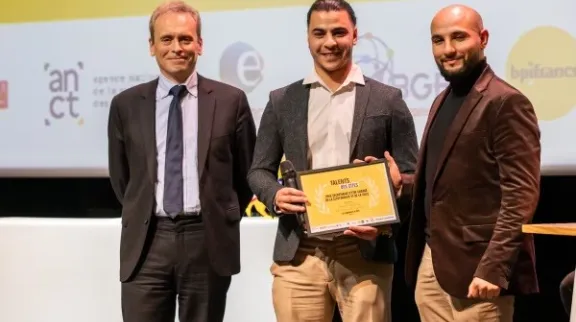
{"x":382,"y":122}
{"x":486,"y":186}
{"x":226,"y":138}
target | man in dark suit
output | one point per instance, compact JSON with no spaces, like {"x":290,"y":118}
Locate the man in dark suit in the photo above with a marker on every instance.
{"x":477,"y":181}
{"x":180,"y":148}
{"x":332,"y":117}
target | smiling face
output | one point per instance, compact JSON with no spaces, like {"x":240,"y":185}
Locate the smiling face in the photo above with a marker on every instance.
{"x":458,"y":42}
{"x":331,"y":36}
{"x":176,"y":45}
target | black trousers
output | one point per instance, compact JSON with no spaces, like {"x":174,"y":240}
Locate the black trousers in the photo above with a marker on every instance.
{"x":175,"y":269}
{"x":566,"y":290}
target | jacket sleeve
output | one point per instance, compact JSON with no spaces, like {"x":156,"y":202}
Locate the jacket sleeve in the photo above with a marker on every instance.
{"x":516,"y":144}
{"x":268,"y":152}
{"x":117,"y":160}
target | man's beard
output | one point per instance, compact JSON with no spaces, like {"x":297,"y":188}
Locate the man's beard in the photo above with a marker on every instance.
{"x":468,"y":66}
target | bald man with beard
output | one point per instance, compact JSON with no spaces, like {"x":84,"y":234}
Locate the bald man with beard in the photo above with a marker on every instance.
{"x":477,"y":181}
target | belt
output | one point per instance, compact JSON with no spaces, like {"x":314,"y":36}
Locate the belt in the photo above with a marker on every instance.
{"x":192,"y":213}
{"x":183,"y":214}
{"x":166,"y":222}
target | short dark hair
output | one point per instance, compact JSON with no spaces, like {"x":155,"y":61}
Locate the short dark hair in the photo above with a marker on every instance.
{"x":331,"y":5}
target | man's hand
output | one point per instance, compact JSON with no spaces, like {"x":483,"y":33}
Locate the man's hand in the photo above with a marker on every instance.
{"x":363,"y":232}
{"x":290,"y":201}
{"x":366,"y":159}
{"x":481,"y":289}
{"x":394,"y":171}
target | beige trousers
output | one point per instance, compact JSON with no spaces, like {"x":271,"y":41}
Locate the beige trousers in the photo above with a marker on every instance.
{"x":324,"y":273}
{"x":435,"y":305}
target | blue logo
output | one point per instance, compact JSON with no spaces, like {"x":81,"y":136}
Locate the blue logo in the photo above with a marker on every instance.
{"x":241,"y":66}
{"x":376,"y":59}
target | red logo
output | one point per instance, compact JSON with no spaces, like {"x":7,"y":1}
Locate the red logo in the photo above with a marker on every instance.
{"x":3,"y":94}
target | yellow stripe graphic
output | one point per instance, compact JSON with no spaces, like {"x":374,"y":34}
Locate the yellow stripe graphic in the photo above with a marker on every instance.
{"x":19,"y":11}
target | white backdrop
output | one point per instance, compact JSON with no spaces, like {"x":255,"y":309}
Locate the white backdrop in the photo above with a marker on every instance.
{"x":68,"y":270}
{"x":57,"y":77}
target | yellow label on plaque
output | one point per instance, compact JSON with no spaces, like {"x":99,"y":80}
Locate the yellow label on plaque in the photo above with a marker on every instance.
{"x":348,"y":197}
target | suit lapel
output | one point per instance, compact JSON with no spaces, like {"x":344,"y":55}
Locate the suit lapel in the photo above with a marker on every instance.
{"x":147,"y":112}
{"x":299,"y":95}
{"x":464,"y":112}
{"x":362,"y":95}
{"x":456,"y":127}
{"x":206,"y":108}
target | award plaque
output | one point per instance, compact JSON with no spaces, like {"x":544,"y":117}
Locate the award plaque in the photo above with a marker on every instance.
{"x":351,"y":195}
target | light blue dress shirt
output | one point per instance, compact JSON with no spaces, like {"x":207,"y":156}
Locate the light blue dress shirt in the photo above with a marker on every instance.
{"x":189,"y":105}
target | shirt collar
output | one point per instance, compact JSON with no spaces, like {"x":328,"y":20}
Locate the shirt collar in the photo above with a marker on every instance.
{"x":354,"y":76}
{"x":164,"y":85}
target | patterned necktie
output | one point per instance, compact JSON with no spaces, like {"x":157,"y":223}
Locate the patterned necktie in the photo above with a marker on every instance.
{"x":173,"y":178}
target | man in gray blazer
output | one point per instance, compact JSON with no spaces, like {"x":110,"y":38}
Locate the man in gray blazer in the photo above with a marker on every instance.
{"x":334,"y":116}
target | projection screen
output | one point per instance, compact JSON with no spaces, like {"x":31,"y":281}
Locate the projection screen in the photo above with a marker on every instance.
{"x":62,"y":61}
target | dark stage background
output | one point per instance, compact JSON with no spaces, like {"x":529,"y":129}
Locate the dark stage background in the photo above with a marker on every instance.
{"x":93,"y":198}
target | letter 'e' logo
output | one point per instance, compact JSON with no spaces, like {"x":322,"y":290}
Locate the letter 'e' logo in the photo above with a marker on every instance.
{"x":241,"y":65}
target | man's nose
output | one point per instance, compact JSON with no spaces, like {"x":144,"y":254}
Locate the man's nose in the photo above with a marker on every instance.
{"x":176,"y":47}
{"x":330,"y":42}
{"x":449,"y":50}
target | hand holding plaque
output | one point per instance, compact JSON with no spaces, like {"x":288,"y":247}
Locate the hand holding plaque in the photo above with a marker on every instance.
{"x":363,"y":232}
{"x":395,"y":175}
{"x":360,"y":194}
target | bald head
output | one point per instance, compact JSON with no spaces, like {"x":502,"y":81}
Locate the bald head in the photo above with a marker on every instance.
{"x":458,"y":40}
{"x":458,"y":15}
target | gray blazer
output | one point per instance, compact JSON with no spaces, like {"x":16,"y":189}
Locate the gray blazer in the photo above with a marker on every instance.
{"x":382,"y":122}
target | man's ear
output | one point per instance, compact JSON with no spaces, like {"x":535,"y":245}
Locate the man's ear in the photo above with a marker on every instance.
{"x":484,"y":36}
{"x":200,"y":46}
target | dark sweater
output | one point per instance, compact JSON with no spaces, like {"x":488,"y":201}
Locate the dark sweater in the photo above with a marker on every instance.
{"x":439,"y":130}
